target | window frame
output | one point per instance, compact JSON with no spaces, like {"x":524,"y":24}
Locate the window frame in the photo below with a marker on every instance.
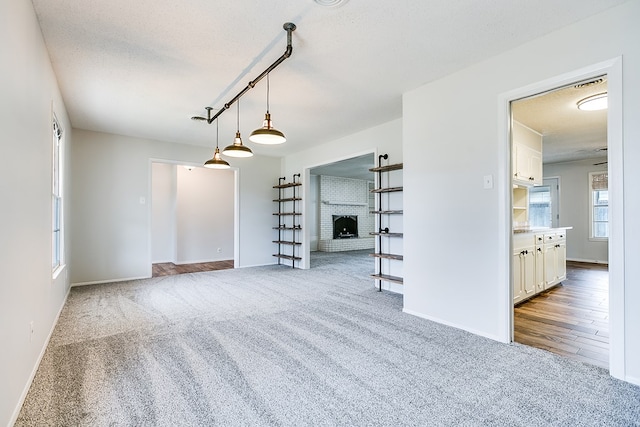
{"x":57,"y":205}
{"x":592,"y":207}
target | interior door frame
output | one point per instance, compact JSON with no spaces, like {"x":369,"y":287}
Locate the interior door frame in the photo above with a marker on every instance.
{"x":613,"y":69}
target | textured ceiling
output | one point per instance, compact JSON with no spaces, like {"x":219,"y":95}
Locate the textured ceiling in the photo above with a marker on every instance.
{"x":568,"y":133}
{"x":143,"y":68}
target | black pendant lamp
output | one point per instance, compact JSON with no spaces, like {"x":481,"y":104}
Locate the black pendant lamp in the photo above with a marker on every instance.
{"x":267,"y":134}
{"x":237,"y":149}
{"x":216,"y":162}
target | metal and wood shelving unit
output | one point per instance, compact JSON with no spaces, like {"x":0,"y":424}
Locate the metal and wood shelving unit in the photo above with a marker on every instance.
{"x":384,"y":208}
{"x":289,"y":225}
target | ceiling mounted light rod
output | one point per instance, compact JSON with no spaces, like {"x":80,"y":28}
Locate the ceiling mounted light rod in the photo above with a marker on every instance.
{"x":289,"y":27}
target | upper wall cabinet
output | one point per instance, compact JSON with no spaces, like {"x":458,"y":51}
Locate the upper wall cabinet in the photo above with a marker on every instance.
{"x":526,"y":156}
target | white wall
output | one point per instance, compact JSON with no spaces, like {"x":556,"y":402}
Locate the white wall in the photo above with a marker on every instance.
{"x":454,"y":268}
{"x":27,"y":291}
{"x":574,"y":208}
{"x":204,"y":215}
{"x":163,"y":212}
{"x":111,"y":227}
{"x":385,"y":138}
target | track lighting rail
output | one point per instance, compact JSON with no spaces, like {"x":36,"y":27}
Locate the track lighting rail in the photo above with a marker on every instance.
{"x":289,"y":27}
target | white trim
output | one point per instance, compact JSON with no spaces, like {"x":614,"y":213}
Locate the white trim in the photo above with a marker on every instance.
{"x":32,"y":375}
{"x":261,"y":265}
{"x":58,"y":270}
{"x":613,"y":69}
{"x":588,"y":261}
{"x":615,"y":158}
{"x":100,"y":282}
{"x":196,"y":261}
{"x":633,"y":380}
{"x":453,"y":325}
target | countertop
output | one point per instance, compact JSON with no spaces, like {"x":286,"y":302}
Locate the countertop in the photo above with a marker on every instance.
{"x":539,"y":229}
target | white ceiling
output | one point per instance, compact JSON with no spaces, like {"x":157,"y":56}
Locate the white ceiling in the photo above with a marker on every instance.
{"x":355,"y":168}
{"x":143,"y":68}
{"x":568,"y":133}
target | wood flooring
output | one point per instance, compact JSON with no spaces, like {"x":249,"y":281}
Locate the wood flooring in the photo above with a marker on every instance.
{"x":571,"y":319}
{"x":169,"y":268}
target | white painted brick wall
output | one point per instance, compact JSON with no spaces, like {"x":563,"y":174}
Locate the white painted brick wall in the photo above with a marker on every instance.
{"x":344,"y":196}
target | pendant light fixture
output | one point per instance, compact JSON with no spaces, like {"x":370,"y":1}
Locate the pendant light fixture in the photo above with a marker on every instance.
{"x":216,"y":162}
{"x":267,"y":134}
{"x":237,"y":149}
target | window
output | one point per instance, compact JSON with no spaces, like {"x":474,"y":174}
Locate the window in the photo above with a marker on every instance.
{"x":540,"y":206}
{"x":56,"y":196}
{"x":599,"y":196}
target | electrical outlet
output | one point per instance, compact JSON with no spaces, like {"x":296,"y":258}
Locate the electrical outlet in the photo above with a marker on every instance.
{"x":31,"y":329}
{"x":219,"y":250}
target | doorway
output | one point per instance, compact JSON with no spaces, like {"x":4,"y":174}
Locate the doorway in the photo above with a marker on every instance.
{"x":193,"y":218}
{"x":566,"y":311}
{"x":339,"y":192}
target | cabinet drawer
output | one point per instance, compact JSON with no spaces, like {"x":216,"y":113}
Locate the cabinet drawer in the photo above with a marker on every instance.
{"x":539,"y":239}
{"x":561,"y":235}
{"x":522,"y":241}
{"x":550,"y":237}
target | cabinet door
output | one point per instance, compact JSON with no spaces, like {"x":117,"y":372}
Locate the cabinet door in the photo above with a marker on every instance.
{"x":535,"y":166}
{"x":529,"y":273}
{"x":561,"y":261}
{"x":517,"y":265}
{"x":539,"y":269}
{"x":549,"y":255}
{"x":521,"y":163}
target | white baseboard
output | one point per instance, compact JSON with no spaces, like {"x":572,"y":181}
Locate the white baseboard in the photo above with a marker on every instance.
{"x":453,"y":325}
{"x":98,"y":282}
{"x":632,"y":380}
{"x":195,"y":261}
{"x":588,"y":261}
{"x":23,"y":396}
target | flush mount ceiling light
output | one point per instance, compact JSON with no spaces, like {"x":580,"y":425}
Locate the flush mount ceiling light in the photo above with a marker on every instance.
{"x":237,"y":149}
{"x":593,"y":102}
{"x":267,"y":134}
{"x":216,"y":162}
{"x":330,"y":3}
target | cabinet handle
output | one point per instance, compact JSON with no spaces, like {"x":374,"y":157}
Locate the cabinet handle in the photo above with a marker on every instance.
{"x":539,"y":249}
{"x":531,"y":178}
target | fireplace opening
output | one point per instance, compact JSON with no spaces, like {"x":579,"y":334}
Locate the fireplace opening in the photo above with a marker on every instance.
{"x":345,"y":226}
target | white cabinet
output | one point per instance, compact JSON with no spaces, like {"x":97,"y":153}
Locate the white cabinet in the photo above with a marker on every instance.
{"x":538,"y":262}
{"x":555,"y":258}
{"x":526,"y":155}
{"x":524,"y":269}
{"x":527,"y":165}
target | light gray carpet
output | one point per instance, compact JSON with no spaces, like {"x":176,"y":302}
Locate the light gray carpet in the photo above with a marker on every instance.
{"x":277,"y":346}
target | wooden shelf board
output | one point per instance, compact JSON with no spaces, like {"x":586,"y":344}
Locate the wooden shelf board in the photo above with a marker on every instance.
{"x":289,"y":257}
{"x":386,"y":168}
{"x":386,"y":212}
{"x":387,"y":234}
{"x":290,"y":184}
{"x":285,"y":242}
{"x":386,"y":190}
{"x":388,"y":278}
{"x":387,"y":256}
{"x":289,"y":199}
